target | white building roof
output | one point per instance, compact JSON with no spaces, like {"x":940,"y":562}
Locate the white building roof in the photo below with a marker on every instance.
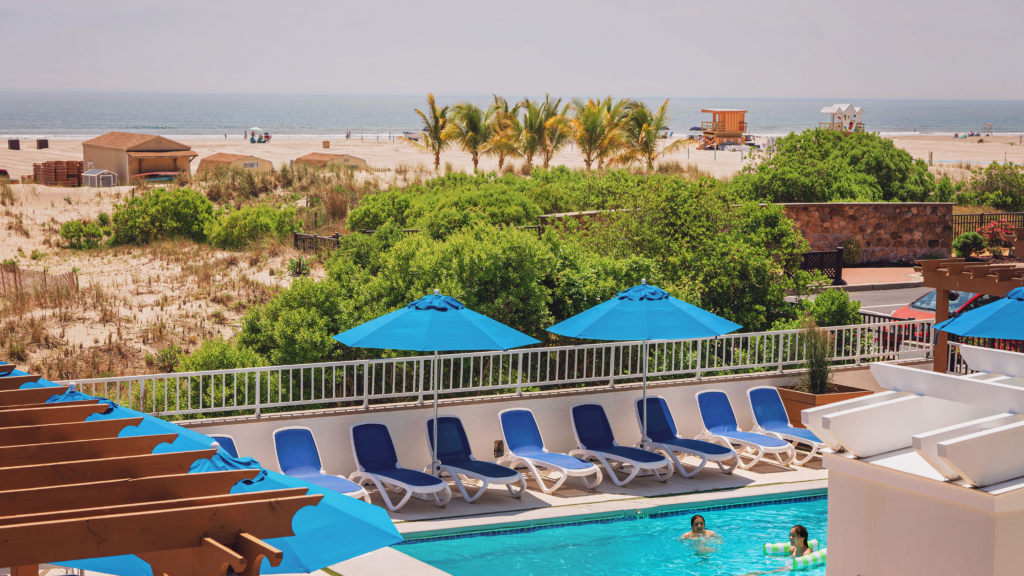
{"x":842,"y":109}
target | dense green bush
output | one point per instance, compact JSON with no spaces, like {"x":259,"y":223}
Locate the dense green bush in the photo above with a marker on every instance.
{"x":852,"y":251}
{"x":181,"y":213}
{"x":998,"y":185}
{"x":832,"y":307}
{"x":968,"y":243}
{"x":81,"y":235}
{"x":829,"y":166}
{"x":237,"y":228}
{"x":218,"y":354}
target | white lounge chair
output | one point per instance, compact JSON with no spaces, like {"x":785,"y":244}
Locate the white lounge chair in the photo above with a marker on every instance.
{"x":662,"y":435}
{"x":378,"y":463}
{"x":770,"y":418}
{"x":456,"y":459}
{"x":720,"y":426}
{"x":524,"y":446}
{"x":594,"y":439}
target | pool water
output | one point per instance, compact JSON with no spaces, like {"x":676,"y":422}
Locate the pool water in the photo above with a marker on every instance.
{"x":648,"y":545}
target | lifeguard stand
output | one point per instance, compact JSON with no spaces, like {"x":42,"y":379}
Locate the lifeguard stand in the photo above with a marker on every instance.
{"x":844,"y":118}
{"x":726,"y":127}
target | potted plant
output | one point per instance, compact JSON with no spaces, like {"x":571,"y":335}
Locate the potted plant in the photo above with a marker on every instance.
{"x":816,"y":386}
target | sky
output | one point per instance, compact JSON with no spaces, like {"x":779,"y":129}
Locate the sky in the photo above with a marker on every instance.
{"x":867,"y":49}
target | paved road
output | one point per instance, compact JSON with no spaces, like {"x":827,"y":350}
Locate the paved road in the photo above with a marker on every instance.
{"x":886,"y":301}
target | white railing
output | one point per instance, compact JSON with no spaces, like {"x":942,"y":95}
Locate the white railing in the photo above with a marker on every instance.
{"x":362,"y":382}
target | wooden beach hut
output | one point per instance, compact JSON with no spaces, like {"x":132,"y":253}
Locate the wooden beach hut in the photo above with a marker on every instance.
{"x":324,"y":160}
{"x":844,"y":118}
{"x":222,"y":160}
{"x":128,"y":155}
{"x":726,"y":127}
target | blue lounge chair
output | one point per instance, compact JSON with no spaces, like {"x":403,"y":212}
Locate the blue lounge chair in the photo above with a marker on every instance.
{"x":298,"y":457}
{"x":662,"y":435}
{"x":377,"y":462}
{"x":227,"y":443}
{"x":770,"y":418}
{"x":525,"y":447}
{"x":720,"y":426}
{"x":594,"y":439}
{"x":456,"y":460}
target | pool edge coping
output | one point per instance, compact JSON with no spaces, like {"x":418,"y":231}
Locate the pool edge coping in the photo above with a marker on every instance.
{"x":619,"y":509}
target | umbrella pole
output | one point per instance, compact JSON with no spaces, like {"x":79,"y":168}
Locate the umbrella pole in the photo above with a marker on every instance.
{"x":643,"y":439}
{"x":434,"y":468}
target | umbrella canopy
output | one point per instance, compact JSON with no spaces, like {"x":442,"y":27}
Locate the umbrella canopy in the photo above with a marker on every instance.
{"x":644,"y":312}
{"x":1000,"y":319}
{"x":695,"y":129}
{"x":256,"y":129}
{"x":336,"y":529}
{"x":434,"y":323}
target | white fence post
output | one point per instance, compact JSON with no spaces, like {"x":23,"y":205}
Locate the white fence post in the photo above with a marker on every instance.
{"x":258,"y":392}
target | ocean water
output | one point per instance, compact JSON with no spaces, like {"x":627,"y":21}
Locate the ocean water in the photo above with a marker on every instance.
{"x":197,"y":116}
{"x":630,"y":547}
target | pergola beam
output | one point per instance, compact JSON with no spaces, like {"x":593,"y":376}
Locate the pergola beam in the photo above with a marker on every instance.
{"x":55,"y":415}
{"x":44,"y":433}
{"x":83,"y":471}
{"x":15,"y":382}
{"x":151,"y":506}
{"x":255,"y":550}
{"x":66,"y":540}
{"x":209,"y":558}
{"x":45,"y":405}
{"x":30,"y":395}
{"x":126,"y":491}
{"x":75,"y":450}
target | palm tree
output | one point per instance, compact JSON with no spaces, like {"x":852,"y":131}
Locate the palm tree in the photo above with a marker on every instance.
{"x":434,"y":124}
{"x":557,"y":133}
{"x":615,"y":119}
{"x":595,"y":130}
{"x":506,"y":129}
{"x":641,"y":135}
{"x":532,"y":132}
{"x":471,"y":128}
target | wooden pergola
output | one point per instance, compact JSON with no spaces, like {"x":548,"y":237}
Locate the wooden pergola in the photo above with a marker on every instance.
{"x":953,"y":274}
{"x":71,"y":489}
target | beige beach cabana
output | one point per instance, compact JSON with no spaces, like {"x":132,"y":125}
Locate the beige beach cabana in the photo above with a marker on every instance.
{"x":322,"y":160}
{"x":224,"y":161}
{"x":128,"y":155}
{"x":844,"y":117}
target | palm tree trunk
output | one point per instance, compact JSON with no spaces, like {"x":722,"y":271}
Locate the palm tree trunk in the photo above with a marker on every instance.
{"x":437,"y":161}
{"x":476,"y":159}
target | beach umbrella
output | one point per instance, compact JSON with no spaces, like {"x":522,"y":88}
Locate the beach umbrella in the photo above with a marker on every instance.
{"x":256,"y":129}
{"x":336,"y":529}
{"x":645,"y":313}
{"x":434,"y":323}
{"x":1001,"y":319}
{"x":695,"y":129}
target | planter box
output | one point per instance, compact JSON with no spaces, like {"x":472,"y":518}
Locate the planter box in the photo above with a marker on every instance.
{"x":796,"y":402}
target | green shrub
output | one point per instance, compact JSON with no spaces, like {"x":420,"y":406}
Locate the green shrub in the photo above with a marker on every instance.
{"x":945,"y":190}
{"x":968,"y":243}
{"x":160,"y":213}
{"x":819,"y":346}
{"x":298,"y":266}
{"x":998,"y":185}
{"x":237,"y":228}
{"x":103,"y":219}
{"x":852,"y":252}
{"x":218,"y":354}
{"x":79,"y":235}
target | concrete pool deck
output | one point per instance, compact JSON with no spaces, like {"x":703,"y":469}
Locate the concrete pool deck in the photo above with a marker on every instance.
{"x":497,"y":510}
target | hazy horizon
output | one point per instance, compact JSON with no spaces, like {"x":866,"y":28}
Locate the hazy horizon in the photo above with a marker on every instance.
{"x":877,"y":50}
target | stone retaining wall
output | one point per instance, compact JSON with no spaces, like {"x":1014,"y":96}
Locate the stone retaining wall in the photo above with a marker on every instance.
{"x":887,"y":231}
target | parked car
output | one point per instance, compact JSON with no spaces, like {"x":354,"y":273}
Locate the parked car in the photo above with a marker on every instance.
{"x":924,"y":309}
{"x":4,"y":176}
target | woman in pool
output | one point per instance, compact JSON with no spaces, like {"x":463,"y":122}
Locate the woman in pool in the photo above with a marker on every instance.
{"x":697,"y":531}
{"x":798,"y":540}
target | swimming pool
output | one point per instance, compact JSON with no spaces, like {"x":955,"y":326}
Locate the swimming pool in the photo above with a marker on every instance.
{"x":628,"y":546}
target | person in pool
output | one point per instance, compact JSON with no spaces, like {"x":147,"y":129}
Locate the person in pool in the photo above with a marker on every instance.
{"x":798,"y":539}
{"x":697,"y":530}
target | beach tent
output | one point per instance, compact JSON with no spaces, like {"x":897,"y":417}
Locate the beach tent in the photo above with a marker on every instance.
{"x":223,"y":160}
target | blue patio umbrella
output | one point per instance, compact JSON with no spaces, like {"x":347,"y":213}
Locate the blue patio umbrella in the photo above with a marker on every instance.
{"x":1000,"y":319}
{"x":434,"y":323}
{"x":336,"y":529}
{"x":645,"y":313}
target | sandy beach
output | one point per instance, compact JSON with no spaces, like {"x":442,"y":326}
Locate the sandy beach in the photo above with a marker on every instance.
{"x":387,"y":154}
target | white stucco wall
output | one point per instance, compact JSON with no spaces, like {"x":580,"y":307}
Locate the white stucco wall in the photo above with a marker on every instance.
{"x":876,"y":529}
{"x":480,"y":417}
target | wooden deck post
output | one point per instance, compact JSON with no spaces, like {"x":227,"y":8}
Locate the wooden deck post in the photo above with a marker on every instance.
{"x":940,"y":353}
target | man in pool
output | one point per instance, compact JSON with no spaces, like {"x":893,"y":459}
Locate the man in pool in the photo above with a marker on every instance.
{"x":697,"y":531}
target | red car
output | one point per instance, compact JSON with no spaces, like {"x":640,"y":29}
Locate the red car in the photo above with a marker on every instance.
{"x":924,"y":309}
{"x":959,"y":302}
